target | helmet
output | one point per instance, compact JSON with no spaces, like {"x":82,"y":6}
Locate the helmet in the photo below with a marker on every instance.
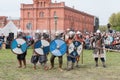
{"x":37,"y":31}
{"x":44,"y":31}
{"x":68,"y":29}
{"x":57,"y":33}
{"x":78,"y":32}
{"x":19,"y":30}
{"x":71,"y":33}
{"x":98,"y":31}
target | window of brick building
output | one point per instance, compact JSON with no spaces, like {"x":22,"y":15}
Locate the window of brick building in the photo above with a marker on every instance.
{"x":41,"y":4}
{"x":28,"y":14}
{"x":41,"y":14}
{"x":44,"y":4}
{"x":54,"y":13}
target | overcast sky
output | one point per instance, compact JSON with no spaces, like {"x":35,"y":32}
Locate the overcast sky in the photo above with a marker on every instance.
{"x":100,"y":8}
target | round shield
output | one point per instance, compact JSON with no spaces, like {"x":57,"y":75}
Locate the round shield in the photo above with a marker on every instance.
{"x":0,"y":44}
{"x":58,"y":47}
{"x":41,"y":47}
{"x":75,"y":48}
{"x":19,"y":46}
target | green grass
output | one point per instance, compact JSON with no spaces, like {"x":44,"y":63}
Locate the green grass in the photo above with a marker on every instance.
{"x":87,"y":71}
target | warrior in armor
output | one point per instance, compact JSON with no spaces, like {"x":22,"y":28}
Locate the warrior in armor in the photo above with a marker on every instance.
{"x":41,"y":58}
{"x":35,"y":56}
{"x":70,"y":59}
{"x":37,"y":35}
{"x":78,"y":37}
{"x":45,"y":35}
{"x":57,"y":36}
{"x":66,"y":35}
{"x":98,"y":45}
{"x":21,"y":57}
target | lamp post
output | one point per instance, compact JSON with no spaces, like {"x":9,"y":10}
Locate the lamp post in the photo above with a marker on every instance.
{"x":29,"y":27}
{"x":55,"y":19}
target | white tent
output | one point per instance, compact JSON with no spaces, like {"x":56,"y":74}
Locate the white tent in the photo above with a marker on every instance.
{"x":10,"y":27}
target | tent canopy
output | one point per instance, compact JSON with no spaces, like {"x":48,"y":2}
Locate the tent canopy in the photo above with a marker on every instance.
{"x":10,"y":27}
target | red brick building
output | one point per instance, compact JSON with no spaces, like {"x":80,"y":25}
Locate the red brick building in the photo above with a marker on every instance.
{"x":45,"y":15}
{"x":3,"y":21}
{"x":16,"y":22}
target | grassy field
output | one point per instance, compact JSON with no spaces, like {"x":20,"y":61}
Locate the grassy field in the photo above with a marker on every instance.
{"x":87,"y":71}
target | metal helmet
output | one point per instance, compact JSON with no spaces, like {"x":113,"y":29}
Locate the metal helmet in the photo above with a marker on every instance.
{"x":37,"y":31}
{"x":57,"y":33}
{"x":71,"y":34}
{"x":44,"y":31}
{"x":98,"y":31}
{"x":68,"y":29}
{"x":19,"y":30}
{"x":78,"y":32}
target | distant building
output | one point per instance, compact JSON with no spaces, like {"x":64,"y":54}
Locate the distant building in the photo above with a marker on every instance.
{"x":16,"y":21}
{"x":3,"y":21}
{"x":45,"y":15}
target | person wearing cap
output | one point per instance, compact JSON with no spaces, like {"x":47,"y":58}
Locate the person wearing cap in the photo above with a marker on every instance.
{"x":99,"y":48}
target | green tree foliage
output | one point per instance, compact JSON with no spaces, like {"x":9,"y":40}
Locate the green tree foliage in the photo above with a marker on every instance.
{"x":118,"y":19}
{"x":114,"y":20}
{"x":103,"y":28}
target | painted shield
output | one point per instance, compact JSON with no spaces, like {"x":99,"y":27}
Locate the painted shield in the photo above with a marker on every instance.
{"x":18,"y":46}
{"x":75,"y":48}
{"x":0,"y":44}
{"x":58,"y":47}
{"x":41,"y":47}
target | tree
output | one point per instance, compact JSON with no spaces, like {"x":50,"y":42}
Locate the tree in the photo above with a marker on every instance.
{"x":118,"y":19}
{"x":103,"y":28}
{"x":114,"y":20}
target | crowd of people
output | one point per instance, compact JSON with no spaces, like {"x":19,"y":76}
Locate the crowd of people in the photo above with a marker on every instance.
{"x":97,"y":41}
{"x":112,"y":40}
{"x":1,"y":40}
